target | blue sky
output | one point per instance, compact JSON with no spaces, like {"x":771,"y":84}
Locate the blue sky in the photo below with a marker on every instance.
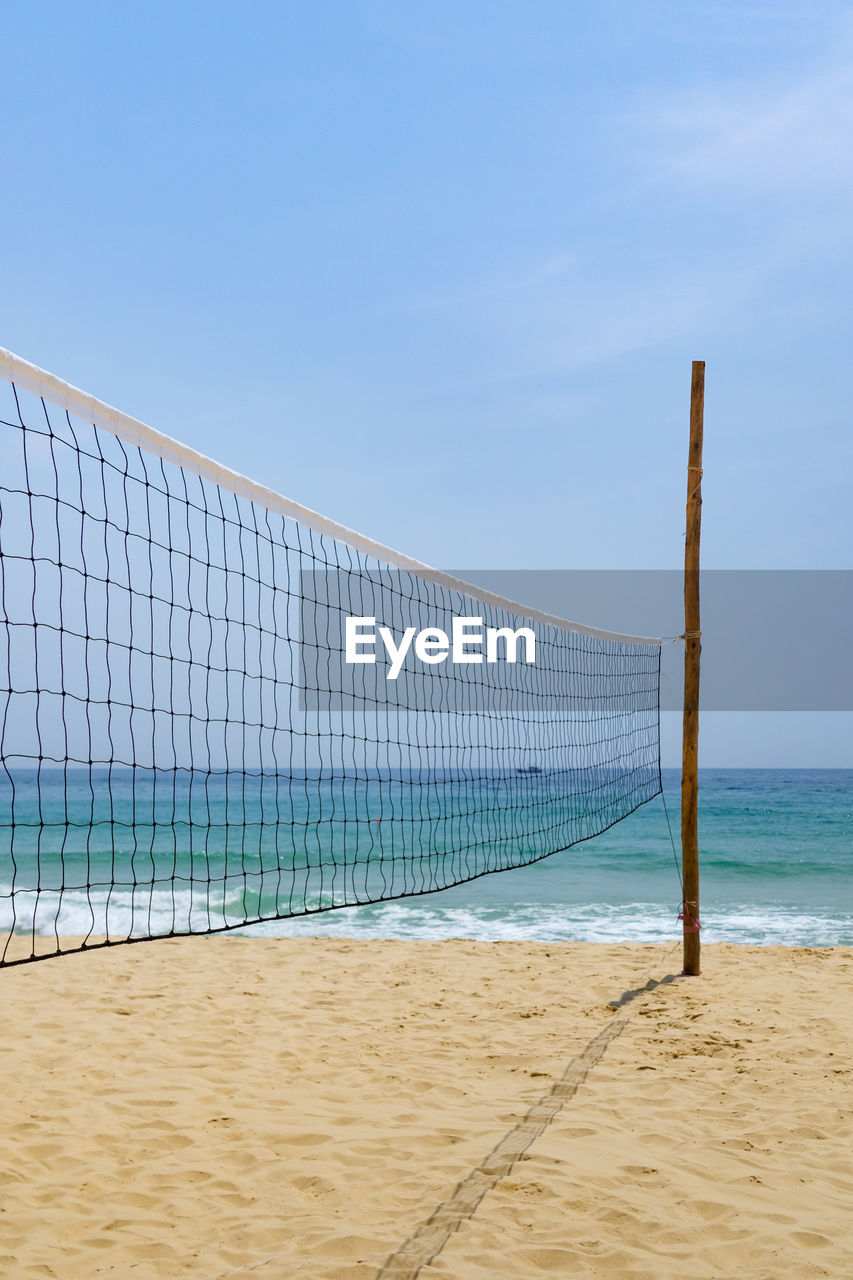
{"x":439,"y":269}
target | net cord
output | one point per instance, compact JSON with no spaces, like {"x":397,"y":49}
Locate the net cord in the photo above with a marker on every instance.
{"x":47,"y":386}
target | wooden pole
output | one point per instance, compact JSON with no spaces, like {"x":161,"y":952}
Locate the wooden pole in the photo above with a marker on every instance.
{"x":692,"y":651}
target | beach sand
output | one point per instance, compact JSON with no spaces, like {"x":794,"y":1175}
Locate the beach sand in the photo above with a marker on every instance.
{"x":284,"y":1108}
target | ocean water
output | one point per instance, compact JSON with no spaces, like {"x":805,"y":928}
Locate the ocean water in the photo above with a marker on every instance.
{"x":776,"y":865}
{"x":776,"y":850}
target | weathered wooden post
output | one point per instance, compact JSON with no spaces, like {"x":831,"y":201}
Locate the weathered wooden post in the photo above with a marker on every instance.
{"x":692,"y":652}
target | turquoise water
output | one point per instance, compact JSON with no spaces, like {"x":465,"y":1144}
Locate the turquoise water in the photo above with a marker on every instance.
{"x":776,"y":854}
{"x":776,"y":850}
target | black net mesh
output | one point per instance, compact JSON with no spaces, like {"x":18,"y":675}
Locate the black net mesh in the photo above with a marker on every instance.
{"x":184,"y":749}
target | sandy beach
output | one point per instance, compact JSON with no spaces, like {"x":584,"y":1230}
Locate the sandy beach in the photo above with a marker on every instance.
{"x":335,"y":1109}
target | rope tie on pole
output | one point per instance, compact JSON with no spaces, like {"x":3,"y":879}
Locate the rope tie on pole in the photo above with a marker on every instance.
{"x":690,"y":920}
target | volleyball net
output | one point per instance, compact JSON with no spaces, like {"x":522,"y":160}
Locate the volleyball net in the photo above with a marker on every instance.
{"x":219,"y":708}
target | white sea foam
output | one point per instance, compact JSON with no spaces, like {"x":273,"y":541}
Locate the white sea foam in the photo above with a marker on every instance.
{"x":140,"y":913}
{"x":581,"y":922}
{"x":121,"y":913}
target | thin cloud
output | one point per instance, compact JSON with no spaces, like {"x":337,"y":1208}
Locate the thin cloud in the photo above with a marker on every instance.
{"x":502,"y":285}
{"x":554,"y":322}
{"x":595,"y":325}
{"x":794,"y":139}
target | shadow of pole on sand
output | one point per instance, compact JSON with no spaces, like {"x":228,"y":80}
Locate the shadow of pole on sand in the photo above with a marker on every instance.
{"x":425,"y":1244}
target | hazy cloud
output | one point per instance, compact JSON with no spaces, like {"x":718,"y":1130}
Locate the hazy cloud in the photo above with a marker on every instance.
{"x":756,"y":139}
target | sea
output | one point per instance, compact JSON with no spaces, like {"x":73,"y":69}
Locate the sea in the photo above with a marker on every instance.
{"x":776,"y":869}
{"x":776,"y":857}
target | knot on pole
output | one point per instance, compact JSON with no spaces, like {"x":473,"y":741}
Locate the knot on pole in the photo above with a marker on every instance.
{"x":691,"y":920}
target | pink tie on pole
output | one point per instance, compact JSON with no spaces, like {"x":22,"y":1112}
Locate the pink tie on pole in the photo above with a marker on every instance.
{"x":691,"y":921}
